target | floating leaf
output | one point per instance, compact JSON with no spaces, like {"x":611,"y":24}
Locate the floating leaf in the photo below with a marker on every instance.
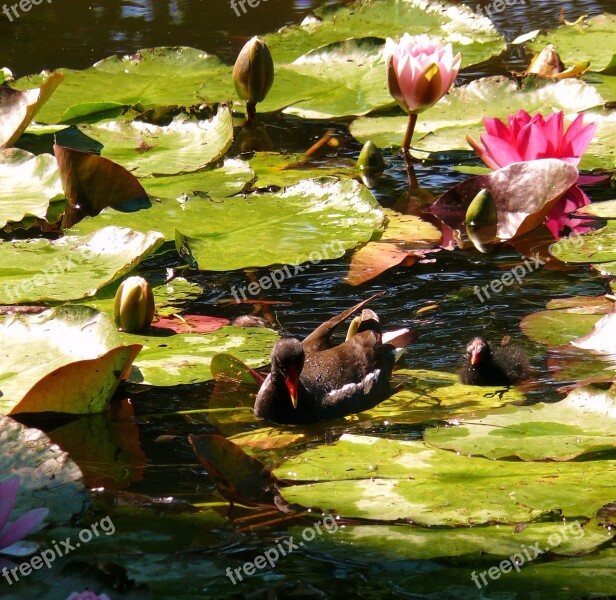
{"x":140,"y":80}
{"x":368,"y":477}
{"x":92,"y":183}
{"x":184,"y":358}
{"x":432,"y":395}
{"x":183,"y":146}
{"x":68,"y":359}
{"x":405,"y":236}
{"x":185,"y":323}
{"x":77,"y":266}
{"x":29,"y":184}
{"x":470,"y":33}
{"x":523,"y":192}
{"x":312,"y":221}
{"x":48,"y":476}
{"x":18,"y":108}
{"x":602,"y":337}
{"x":562,"y":323}
{"x":585,"y":42}
{"x":581,"y":424}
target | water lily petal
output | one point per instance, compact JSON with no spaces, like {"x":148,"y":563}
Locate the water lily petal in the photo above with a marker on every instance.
{"x":558,"y":219}
{"x":8,"y":495}
{"x":501,"y":152}
{"x":22,"y":526}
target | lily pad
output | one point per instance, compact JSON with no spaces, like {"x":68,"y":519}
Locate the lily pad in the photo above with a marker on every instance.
{"x":583,"y":42}
{"x":597,"y":246}
{"x":48,"y":476}
{"x":444,"y":127}
{"x":183,"y":146}
{"x":168,"y":360}
{"x":18,"y":108}
{"x":560,"y":324}
{"x":312,"y":221}
{"x":68,"y":359}
{"x":368,"y":477}
{"x":405,"y":237}
{"x":71,"y":267}
{"x":404,"y":542}
{"x":30,"y":183}
{"x":433,"y":395}
{"x":470,"y":33}
{"x":273,"y":169}
{"x":581,"y":424}
{"x":140,"y":80}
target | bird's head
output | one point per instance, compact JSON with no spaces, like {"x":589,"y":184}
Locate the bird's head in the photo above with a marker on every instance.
{"x":478,"y":351}
{"x":288,"y":361}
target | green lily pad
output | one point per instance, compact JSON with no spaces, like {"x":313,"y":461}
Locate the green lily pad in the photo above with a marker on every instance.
{"x":273,"y":169}
{"x":445,"y":125}
{"x":68,"y":359}
{"x":71,"y":267}
{"x":141,"y":80}
{"x":48,"y":476}
{"x":581,"y":424}
{"x":404,"y":542}
{"x":30,"y":184}
{"x":183,"y":146}
{"x":168,"y":360}
{"x":583,"y":42}
{"x":315,"y":220}
{"x":471,"y":34}
{"x":433,"y":395}
{"x":374,"y":478}
{"x":560,"y":324}
{"x":597,"y":246}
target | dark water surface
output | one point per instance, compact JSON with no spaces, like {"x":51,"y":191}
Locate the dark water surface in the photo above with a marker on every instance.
{"x":74,"y":33}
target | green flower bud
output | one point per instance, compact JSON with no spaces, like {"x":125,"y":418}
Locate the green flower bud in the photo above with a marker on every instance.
{"x":370,"y":159}
{"x":133,"y":309}
{"x":253,"y":73}
{"x":481,"y":221}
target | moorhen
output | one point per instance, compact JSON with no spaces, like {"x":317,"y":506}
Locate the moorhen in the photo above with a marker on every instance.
{"x":486,"y":365}
{"x":315,"y":380}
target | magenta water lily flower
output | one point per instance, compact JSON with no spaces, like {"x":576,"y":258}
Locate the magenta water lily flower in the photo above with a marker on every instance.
{"x":87,"y":595}
{"x":531,"y":138}
{"x":18,"y":529}
{"x":420,"y":71}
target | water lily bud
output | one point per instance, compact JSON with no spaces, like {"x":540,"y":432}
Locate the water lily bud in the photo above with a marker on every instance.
{"x":133,"y":309}
{"x":480,"y":221}
{"x":253,"y":73}
{"x":370,"y":159}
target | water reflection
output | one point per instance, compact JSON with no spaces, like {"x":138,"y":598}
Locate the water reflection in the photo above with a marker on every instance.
{"x":73,"y":33}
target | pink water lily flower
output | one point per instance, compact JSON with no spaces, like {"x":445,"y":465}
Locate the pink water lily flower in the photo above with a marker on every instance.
{"x":22,"y":526}
{"x":531,"y":138}
{"x":420,"y":71}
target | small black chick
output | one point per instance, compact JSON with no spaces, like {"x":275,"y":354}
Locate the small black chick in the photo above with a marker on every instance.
{"x":487,"y":365}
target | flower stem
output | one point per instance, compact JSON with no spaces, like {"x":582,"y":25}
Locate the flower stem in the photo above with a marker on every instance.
{"x":408,"y":136}
{"x":251,"y":111}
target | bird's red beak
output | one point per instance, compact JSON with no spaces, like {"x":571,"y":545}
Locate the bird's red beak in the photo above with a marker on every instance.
{"x":474,"y":357}
{"x":292,"y":382}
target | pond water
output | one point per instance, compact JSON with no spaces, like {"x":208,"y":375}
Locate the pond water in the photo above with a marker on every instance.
{"x":72,"y":33}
